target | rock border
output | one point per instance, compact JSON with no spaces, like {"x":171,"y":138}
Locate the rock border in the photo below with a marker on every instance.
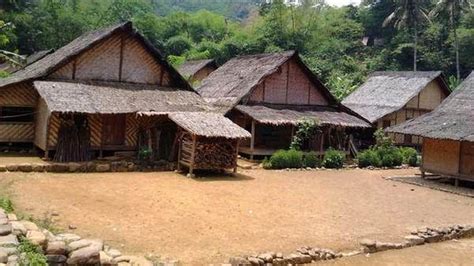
{"x":306,"y":255}
{"x":85,"y":167}
{"x":60,"y":249}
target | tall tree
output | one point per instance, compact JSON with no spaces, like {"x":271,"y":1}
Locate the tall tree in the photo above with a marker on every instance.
{"x":453,"y":9}
{"x":411,"y":14}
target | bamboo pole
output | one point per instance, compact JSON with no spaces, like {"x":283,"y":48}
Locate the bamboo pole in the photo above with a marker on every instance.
{"x":252,"y":140}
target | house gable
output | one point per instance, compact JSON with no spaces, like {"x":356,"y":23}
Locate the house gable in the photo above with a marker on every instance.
{"x":290,"y":84}
{"x":121,"y":57}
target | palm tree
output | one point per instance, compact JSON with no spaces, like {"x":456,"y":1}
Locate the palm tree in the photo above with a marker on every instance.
{"x":408,"y":13}
{"x":453,"y":9}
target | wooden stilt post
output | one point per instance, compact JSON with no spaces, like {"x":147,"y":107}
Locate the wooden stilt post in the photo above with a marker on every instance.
{"x":46,"y":155}
{"x":236,"y":155}
{"x":180,"y":144}
{"x":456,"y":182}
{"x":252,"y":140}
{"x":193,"y":156}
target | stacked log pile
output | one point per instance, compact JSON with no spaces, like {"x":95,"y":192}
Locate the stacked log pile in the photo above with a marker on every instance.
{"x":209,"y":153}
{"x":73,"y":140}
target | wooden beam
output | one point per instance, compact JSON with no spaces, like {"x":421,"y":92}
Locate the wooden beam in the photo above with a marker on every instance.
{"x":180,"y":144}
{"x":252,"y":140}
{"x":74,"y":65}
{"x":236,"y":155}
{"x":193,"y":156}
{"x":122,"y":44}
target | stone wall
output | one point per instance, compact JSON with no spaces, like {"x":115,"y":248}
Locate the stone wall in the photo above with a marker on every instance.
{"x":59,"y":249}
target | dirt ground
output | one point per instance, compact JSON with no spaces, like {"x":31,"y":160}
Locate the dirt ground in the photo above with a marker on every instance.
{"x":457,"y":252}
{"x":13,"y":158}
{"x":210,"y":219}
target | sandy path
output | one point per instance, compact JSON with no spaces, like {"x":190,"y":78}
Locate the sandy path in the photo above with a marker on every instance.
{"x":212,"y":219}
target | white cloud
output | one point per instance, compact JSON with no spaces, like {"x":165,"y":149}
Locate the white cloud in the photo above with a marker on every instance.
{"x":342,"y":2}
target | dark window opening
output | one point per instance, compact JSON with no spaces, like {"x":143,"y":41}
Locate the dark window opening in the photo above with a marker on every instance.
{"x":408,"y":139}
{"x":17,"y":114}
{"x":386,"y":123}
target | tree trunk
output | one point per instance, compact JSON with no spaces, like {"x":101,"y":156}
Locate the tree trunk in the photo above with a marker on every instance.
{"x":456,"y":43}
{"x":415,"y":46}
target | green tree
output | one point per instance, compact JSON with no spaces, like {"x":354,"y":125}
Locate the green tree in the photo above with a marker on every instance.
{"x":411,"y":14}
{"x":453,"y":9}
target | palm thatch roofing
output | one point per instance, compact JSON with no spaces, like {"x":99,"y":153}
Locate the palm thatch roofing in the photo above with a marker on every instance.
{"x":114,"y":98}
{"x":231,"y":83}
{"x":29,"y":60}
{"x":63,"y":55}
{"x":386,"y":92}
{"x":209,"y":125}
{"x":453,"y":119}
{"x":286,"y":115}
{"x":191,"y":67}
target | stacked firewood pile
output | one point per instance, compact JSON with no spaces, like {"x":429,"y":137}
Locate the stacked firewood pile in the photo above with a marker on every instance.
{"x":73,"y":139}
{"x":212,"y":153}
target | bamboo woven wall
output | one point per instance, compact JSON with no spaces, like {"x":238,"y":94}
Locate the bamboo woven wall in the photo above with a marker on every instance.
{"x":19,"y":95}
{"x":41,"y":125}
{"x":17,"y":132}
{"x":289,"y":85}
{"x":441,"y":156}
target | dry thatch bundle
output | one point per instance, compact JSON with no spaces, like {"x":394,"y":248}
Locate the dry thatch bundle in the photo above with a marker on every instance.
{"x":191,"y":67}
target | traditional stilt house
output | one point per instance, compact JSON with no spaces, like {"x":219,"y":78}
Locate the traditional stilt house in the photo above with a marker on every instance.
{"x":448,"y":134}
{"x":390,"y":98}
{"x":89,"y":98}
{"x":197,"y":70}
{"x":268,"y":94}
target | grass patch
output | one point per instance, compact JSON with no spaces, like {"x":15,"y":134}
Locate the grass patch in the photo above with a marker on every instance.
{"x":33,"y":254}
{"x":6,"y":204}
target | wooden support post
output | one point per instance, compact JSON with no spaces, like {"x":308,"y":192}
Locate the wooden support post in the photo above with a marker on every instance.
{"x":236,"y":155}
{"x":46,"y":155}
{"x":180,"y":144}
{"x":193,"y":155}
{"x":252,"y":140}
{"x":456,"y":182}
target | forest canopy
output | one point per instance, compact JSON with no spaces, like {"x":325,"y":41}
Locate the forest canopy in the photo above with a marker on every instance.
{"x":342,"y":45}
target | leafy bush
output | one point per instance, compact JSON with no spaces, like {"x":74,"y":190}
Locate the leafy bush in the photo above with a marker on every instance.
{"x":390,"y":156}
{"x":266,"y":163}
{"x":310,"y":159}
{"x":6,"y":204}
{"x":286,"y":159}
{"x":369,"y":158}
{"x":306,"y":129}
{"x":33,"y":253}
{"x":410,"y":156}
{"x":333,"y":158}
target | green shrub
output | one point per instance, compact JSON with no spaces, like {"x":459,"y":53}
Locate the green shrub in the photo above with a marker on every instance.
{"x":33,"y":253}
{"x":390,"y":156}
{"x":6,"y":204}
{"x":410,"y":156}
{"x":266,"y":163}
{"x":333,"y":158}
{"x":369,"y":158}
{"x":286,"y":159}
{"x":310,"y":159}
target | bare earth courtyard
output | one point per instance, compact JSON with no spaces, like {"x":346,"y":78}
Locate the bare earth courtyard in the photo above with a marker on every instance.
{"x":211,"y":219}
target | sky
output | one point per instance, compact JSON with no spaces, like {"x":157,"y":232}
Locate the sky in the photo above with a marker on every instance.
{"x":342,"y":2}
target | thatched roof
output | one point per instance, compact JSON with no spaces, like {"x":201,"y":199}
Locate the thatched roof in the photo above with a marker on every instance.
{"x":286,"y":115}
{"x":29,"y":60}
{"x":191,"y":67}
{"x":114,"y":97}
{"x":233,"y":81}
{"x":386,"y":92}
{"x":51,"y":62}
{"x":209,"y":125}
{"x":452,"y":119}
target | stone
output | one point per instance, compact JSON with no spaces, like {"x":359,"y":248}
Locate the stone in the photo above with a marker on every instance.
{"x":5,"y":229}
{"x":18,"y":228}
{"x":279,"y":262}
{"x":114,"y":253}
{"x":84,"y":256}
{"x":279,"y":255}
{"x":3,"y":221}
{"x":102,"y":167}
{"x":122,"y":259}
{"x":3,"y":168}
{"x":415,"y":240}
{"x":74,"y":167}
{"x":105,"y":259}
{"x":239,"y":261}
{"x":8,"y":240}
{"x":38,"y":168}
{"x":12,"y":167}
{"x":3,"y":257}
{"x":25,"y":167}
{"x":56,"y":259}
{"x":255,"y":261}
{"x":381,"y":246}
{"x":137,"y":260}
{"x":36,"y":237}
{"x":12,"y":260}
{"x":68,"y":237}
{"x":72,"y":227}
{"x":12,"y":217}
{"x":30,"y":226}
{"x":367,"y":242}
{"x":56,"y":248}
{"x":266,"y":257}
{"x":58,"y":168}
{"x":93,"y":243}
{"x":10,"y":251}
